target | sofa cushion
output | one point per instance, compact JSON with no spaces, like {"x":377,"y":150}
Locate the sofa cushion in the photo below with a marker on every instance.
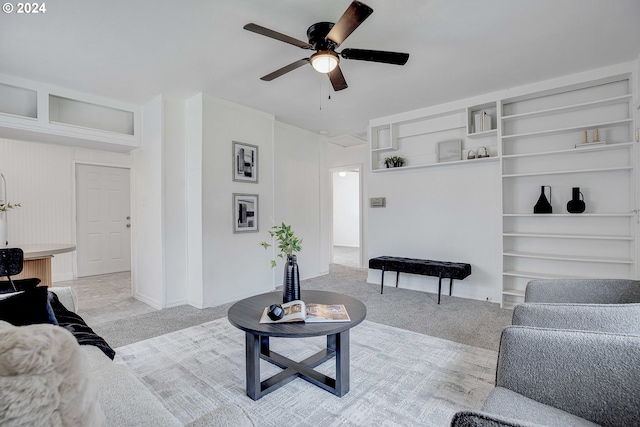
{"x":124,"y":399}
{"x":509,"y":404}
{"x":27,"y":308}
{"x":617,"y":318}
{"x":44,"y":379}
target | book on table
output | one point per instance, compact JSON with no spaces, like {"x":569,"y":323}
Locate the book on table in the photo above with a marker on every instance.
{"x":298,"y":311}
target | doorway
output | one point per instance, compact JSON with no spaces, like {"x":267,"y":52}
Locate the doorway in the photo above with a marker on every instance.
{"x":346,"y":217}
{"x":103,"y":221}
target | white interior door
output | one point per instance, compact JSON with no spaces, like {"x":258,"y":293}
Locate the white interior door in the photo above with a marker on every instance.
{"x":103,"y":220}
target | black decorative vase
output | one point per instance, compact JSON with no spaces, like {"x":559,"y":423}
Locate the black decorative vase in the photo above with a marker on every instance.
{"x":576,"y":204}
{"x":291,"y":280}
{"x":543,"y":206}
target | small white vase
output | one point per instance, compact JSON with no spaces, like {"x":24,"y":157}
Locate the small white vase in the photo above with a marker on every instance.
{"x":4,"y":230}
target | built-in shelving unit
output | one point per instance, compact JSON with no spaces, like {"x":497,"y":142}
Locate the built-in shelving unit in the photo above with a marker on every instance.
{"x":416,"y":139}
{"x":538,"y":134}
{"x":35,"y":112}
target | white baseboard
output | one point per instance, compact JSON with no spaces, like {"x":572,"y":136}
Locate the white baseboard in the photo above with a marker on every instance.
{"x":176,"y":303}
{"x":62,"y":277}
{"x":149,"y":301}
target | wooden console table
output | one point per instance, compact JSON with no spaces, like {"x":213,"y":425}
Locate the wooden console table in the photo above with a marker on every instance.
{"x":37,"y":260}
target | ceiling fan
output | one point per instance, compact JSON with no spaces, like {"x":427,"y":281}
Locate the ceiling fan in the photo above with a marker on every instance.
{"x":324,"y":38}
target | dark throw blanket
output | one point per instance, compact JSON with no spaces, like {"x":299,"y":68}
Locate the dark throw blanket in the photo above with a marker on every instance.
{"x":77,"y":326}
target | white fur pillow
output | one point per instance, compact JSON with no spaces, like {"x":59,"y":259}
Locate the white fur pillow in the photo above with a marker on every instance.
{"x":43,"y":379}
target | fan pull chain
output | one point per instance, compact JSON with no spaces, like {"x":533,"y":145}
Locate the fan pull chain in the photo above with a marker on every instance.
{"x":320,"y":80}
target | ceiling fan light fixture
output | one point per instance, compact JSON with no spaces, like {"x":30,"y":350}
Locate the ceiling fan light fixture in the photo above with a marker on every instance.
{"x":324,"y":61}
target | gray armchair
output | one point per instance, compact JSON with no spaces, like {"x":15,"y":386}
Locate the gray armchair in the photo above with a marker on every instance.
{"x":549,"y":377}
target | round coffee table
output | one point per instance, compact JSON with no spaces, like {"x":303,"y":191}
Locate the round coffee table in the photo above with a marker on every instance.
{"x":245,"y":315}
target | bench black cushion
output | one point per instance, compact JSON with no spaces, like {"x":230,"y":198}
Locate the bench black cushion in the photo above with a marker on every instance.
{"x":425,"y":267}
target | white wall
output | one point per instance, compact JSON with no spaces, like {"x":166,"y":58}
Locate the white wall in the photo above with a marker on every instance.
{"x":147,"y":209}
{"x":193,"y":137}
{"x":42,"y":177}
{"x":448,"y":214}
{"x":298,"y":185}
{"x":234,"y":264}
{"x":175,"y":203}
{"x":346,"y":209}
{"x":224,"y":266}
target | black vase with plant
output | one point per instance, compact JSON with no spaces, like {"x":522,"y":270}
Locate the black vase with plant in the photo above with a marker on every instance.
{"x":288,"y":243}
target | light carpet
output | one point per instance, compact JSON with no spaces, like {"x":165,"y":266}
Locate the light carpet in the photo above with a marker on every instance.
{"x":398,"y":377}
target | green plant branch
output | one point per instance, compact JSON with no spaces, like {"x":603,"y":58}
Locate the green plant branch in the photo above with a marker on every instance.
{"x":288,"y":243}
{"x":8,"y":205}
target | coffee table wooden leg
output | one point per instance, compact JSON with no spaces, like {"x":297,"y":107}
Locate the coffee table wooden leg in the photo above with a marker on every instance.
{"x":253,"y":346}
{"x":340,"y":344}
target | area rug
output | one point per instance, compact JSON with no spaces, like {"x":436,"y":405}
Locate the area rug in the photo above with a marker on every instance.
{"x":398,"y":377}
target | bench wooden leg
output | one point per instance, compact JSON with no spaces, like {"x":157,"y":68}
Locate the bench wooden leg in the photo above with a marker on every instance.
{"x":397,"y":274}
{"x":439,"y":286}
{"x":382,"y":282}
{"x":450,"y":285}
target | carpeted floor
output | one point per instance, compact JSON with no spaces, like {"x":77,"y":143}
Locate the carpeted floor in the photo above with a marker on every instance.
{"x":471,"y":322}
{"x":398,"y":377}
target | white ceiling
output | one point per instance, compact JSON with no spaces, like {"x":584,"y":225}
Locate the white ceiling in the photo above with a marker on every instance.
{"x":133,"y":50}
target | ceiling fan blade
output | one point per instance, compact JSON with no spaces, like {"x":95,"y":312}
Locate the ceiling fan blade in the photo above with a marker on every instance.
{"x":351,"y":19}
{"x":255,"y":28}
{"x":284,"y":70}
{"x":397,"y":58}
{"x":337,"y":79}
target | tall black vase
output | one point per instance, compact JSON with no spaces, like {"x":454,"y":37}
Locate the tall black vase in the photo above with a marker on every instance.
{"x":291,"y":280}
{"x":543,"y":206}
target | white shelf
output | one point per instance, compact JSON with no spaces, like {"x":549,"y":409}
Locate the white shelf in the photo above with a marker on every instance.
{"x":568,"y":236}
{"x":572,"y":150}
{"x":419,"y":133}
{"x":593,"y":170}
{"x":570,"y":108}
{"x":568,"y":129}
{"x":383,"y":149}
{"x":533,"y":255}
{"x":431,"y":165}
{"x":595,"y":215}
{"x":530,"y":275}
{"x":483,"y":134}
{"x":513,"y":292}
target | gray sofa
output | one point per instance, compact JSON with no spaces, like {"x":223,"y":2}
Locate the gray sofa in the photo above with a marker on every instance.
{"x":570,"y":359}
{"x":127,"y":402}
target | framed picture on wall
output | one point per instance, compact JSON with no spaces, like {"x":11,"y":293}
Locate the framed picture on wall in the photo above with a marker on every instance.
{"x":449,"y":151}
{"x":245,"y":162}
{"x":245,"y":213}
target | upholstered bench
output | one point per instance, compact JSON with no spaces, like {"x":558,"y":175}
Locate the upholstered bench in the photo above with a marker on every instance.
{"x":425,"y":267}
